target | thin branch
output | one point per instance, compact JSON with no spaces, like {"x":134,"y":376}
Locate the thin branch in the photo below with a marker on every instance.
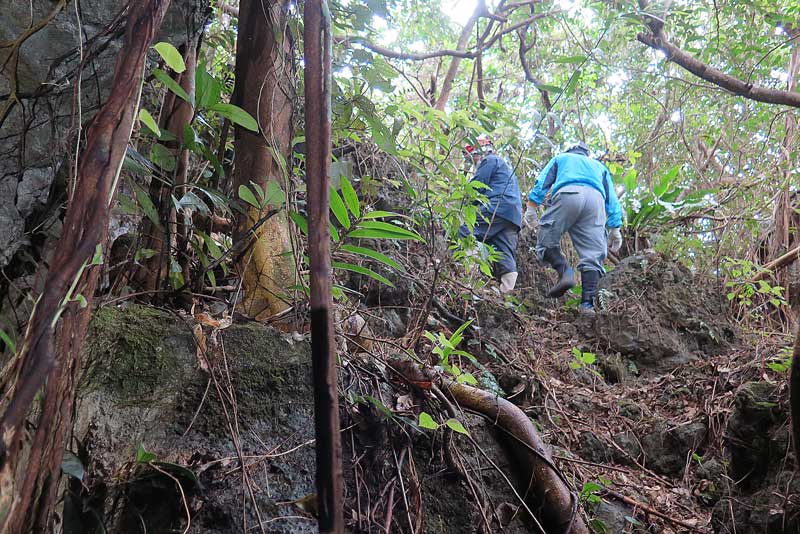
{"x":394,"y":54}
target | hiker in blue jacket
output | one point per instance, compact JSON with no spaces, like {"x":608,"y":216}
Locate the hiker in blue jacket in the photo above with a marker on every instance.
{"x":502,"y":213}
{"x":582,"y":202}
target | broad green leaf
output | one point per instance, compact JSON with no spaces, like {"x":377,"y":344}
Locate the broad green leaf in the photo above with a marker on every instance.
{"x":147,"y":206}
{"x":426,"y":421}
{"x":350,"y":197}
{"x":386,"y":229}
{"x":380,"y":406}
{"x":149,"y":121}
{"x":374,"y":254}
{"x":548,"y":88}
{"x":97,"y":259}
{"x":236,"y":115}
{"x":176,"y":275}
{"x":172,"y":85}
{"x":467,"y":378}
{"x":379,"y":214}
{"x":456,"y":426}
{"x":300,"y":221}
{"x":207,"y":88}
{"x":570,"y":59}
{"x":340,"y":169}
{"x":362,"y":270}
{"x":212,"y":245}
{"x":462,"y":328}
{"x":5,"y":338}
{"x":143,"y":456}
{"x":171,"y":56}
{"x":144,"y":254}
{"x":192,"y":201}
{"x":338,"y":208}
{"x":274,"y":196}
{"x":247,"y":195}
{"x":161,"y":156}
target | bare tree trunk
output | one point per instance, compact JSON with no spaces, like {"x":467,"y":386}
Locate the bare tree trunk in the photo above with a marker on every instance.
{"x":265,"y":75}
{"x":447,"y":84}
{"x":783,"y":234}
{"x":30,"y":470}
{"x":316,"y":20}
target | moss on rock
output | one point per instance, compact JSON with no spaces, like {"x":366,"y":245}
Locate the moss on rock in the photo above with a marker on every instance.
{"x":132,"y":353}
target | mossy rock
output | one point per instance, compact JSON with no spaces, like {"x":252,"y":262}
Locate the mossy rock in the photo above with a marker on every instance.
{"x":144,"y":386}
{"x":134,"y":353}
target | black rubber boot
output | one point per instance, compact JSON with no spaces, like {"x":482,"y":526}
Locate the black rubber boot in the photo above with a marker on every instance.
{"x":566,"y":276}
{"x":589,"y":280}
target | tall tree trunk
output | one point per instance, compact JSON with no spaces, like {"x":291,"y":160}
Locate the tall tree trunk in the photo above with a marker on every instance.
{"x":316,"y":23}
{"x":265,"y":75}
{"x":30,"y":470}
{"x":783,"y":230}
{"x":447,"y":84}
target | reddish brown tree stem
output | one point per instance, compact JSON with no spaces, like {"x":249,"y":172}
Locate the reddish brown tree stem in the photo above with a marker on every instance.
{"x":317,"y":57}
{"x":51,"y":347}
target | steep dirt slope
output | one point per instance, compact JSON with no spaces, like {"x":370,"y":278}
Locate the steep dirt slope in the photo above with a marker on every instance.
{"x":660,"y":418}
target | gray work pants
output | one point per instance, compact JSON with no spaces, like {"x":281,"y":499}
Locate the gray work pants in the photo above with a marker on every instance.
{"x":579,"y":210}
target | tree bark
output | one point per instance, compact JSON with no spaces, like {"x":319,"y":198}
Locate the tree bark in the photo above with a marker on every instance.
{"x":30,"y":471}
{"x":265,"y":74}
{"x":783,"y":230}
{"x":316,"y":20}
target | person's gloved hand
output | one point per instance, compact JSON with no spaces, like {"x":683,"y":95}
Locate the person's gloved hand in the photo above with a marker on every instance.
{"x":614,"y":240}
{"x":531,"y":217}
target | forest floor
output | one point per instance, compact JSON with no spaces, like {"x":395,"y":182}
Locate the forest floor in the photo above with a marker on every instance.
{"x":663,"y":413}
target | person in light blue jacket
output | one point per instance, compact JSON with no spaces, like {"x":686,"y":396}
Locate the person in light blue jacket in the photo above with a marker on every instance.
{"x":584,"y":203}
{"x":501,"y":213}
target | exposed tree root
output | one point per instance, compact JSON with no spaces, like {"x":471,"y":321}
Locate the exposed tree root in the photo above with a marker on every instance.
{"x":547,"y":490}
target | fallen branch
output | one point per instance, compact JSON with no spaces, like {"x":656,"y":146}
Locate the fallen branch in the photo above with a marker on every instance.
{"x":778,"y":263}
{"x":652,"y":511}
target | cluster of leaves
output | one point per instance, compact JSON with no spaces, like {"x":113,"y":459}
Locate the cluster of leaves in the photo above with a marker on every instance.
{"x":445,"y":347}
{"x":352,"y":221}
{"x":750,"y":292}
{"x":649,"y":209}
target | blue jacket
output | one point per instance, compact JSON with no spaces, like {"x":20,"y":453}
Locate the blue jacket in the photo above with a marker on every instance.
{"x":503,"y":192}
{"x":577,"y":169}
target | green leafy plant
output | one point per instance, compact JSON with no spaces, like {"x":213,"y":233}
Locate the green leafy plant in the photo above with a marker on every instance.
{"x":750,"y":292}
{"x":583,"y":360}
{"x":351,"y":220}
{"x":445,"y":347}
{"x":590,"y":493}
{"x":427,"y":421}
{"x":650,"y":208}
{"x":782,"y":362}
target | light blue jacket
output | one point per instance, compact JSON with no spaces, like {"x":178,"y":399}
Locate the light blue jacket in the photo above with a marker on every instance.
{"x":572,"y":168}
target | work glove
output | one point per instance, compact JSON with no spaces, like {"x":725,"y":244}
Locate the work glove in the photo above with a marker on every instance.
{"x":531,"y":217}
{"x":614,"y":240}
